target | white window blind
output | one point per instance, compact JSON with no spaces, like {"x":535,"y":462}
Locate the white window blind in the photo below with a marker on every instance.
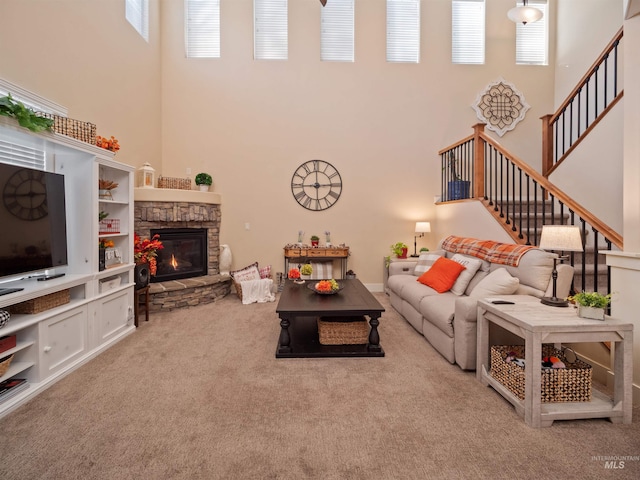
{"x":22,"y":156}
{"x":532,"y":44}
{"x":137,"y":14}
{"x":403,"y":31}
{"x":467,"y":32}
{"x":202,"y":28}
{"x":337,"y":31}
{"x":270,"y":30}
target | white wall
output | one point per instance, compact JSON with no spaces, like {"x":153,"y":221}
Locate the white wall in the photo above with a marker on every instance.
{"x":86,"y":56}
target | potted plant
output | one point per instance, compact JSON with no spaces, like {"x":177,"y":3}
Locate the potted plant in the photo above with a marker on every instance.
{"x":146,"y":251}
{"x":315,"y":240}
{"x":204,"y":181}
{"x":424,"y":249}
{"x":400,"y":249}
{"x":351,"y":274}
{"x":591,"y":304}
{"x":457,"y":188}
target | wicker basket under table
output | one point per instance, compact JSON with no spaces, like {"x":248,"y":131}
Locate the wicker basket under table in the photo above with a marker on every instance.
{"x":343,"y":330}
{"x":571,"y":384}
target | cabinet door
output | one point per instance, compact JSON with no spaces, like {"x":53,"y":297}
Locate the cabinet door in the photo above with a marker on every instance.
{"x":63,"y":340}
{"x":114,"y":315}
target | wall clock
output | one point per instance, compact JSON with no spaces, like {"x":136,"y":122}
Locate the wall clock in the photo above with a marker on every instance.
{"x":316,"y":185}
{"x":25,"y":195}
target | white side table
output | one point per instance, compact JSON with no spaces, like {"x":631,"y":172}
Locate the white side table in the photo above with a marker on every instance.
{"x":537,"y":324}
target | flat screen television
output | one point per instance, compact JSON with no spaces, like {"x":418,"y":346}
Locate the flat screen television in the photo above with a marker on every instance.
{"x":33,"y":222}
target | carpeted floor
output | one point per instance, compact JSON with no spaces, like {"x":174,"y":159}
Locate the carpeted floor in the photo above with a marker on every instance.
{"x":198,"y":394}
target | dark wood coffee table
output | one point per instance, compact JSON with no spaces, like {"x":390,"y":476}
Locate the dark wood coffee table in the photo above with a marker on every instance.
{"x":299,"y":308}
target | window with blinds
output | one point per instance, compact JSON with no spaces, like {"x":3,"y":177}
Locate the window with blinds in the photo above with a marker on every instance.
{"x":403,"y":31}
{"x":137,"y":14}
{"x":532,"y":39}
{"x":202,"y":28}
{"x":467,"y":31}
{"x":270,"y":30}
{"x":22,"y":156}
{"x":337,"y":31}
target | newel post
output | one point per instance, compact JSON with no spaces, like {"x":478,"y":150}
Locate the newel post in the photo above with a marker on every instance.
{"x":478,"y":158}
{"x":547,"y":144}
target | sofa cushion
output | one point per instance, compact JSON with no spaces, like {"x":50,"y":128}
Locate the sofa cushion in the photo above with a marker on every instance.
{"x":396,"y":283}
{"x":442,"y":275}
{"x":472,"y":265}
{"x":533,"y":270}
{"x":414,"y":292}
{"x":439,"y":310}
{"x":425,"y":261}
{"x":498,"y":282}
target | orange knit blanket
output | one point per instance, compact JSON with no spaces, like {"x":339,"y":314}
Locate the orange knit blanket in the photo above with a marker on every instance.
{"x":494,"y":252}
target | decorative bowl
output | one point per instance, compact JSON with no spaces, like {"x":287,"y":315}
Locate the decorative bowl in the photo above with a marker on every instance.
{"x":312,"y":286}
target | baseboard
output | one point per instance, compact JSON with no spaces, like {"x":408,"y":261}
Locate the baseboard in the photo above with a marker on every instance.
{"x":374,"y":287}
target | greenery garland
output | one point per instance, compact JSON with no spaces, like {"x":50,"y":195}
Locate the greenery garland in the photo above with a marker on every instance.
{"x":26,"y":117}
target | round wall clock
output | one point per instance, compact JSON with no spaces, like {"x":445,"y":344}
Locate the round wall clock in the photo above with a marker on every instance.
{"x":316,"y":185}
{"x":25,"y":195}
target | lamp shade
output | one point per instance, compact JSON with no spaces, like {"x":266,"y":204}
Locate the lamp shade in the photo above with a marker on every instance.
{"x":524,"y":14}
{"x":561,"y":237}
{"x":423,"y":227}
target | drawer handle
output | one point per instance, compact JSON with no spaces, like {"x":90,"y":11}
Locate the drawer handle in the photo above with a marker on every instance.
{"x":47,"y":349}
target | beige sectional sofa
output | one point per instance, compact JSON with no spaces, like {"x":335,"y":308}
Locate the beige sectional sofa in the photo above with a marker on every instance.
{"x":448,"y":320}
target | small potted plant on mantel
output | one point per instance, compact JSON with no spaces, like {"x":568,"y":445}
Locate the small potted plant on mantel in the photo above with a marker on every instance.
{"x":591,"y":304}
{"x":204,"y":181}
{"x":315,"y":240}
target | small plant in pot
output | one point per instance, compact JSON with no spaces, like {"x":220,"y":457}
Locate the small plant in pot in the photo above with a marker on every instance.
{"x":591,"y":304}
{"x":351,"y":274}
{"x":315,"y":240}
{"x":400,"y":249}
{"x":204,"y":181}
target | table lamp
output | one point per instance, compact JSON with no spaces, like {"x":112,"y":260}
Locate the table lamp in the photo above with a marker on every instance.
{"x":421,"y":228}
{"x":564,"y":238}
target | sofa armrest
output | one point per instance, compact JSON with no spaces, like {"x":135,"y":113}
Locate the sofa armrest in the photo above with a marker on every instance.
{"x":402,"y":268}
{"x":465,"y":332}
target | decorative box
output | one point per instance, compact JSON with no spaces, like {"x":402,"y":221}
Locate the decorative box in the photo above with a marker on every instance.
{"x":109,"y":225}
{"x":7,"y":343}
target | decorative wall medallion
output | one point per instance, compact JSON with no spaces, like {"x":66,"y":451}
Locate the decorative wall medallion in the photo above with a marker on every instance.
{"x":501,"y":106}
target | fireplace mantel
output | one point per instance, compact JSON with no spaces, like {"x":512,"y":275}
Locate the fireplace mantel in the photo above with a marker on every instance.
{"x":175,"y":195}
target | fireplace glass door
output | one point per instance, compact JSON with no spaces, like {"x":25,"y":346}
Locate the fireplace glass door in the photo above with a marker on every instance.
{"x":184,"y":254}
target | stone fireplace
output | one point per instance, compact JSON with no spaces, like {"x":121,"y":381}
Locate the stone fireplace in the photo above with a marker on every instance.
{"x":182,"y":211}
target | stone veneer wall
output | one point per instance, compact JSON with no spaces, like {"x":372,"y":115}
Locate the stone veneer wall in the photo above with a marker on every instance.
{"x":184,"y":292}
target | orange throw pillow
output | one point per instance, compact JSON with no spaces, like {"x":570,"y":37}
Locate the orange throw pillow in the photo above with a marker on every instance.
{"x":442,"y":275}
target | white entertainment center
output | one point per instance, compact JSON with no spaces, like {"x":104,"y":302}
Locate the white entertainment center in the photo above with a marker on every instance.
{"x":53,"y":342}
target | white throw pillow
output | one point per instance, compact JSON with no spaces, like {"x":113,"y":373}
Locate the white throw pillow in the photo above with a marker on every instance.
{"x":498,"y":282}
{"x":471,"y":265}
{"x":425,"y":261}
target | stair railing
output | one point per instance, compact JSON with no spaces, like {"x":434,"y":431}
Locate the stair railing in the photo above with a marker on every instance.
{"x":522,"y":200}
{"x":592,"y":98}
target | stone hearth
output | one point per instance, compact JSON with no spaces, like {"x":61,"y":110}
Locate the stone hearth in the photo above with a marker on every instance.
{"x":168,"y":208}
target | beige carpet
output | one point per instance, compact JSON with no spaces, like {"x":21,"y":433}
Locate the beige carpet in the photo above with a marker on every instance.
{"x":198,"y":394}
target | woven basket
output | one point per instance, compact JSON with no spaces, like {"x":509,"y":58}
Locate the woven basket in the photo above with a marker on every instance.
{"x":109,"y":225}
{"x":343,"y":330}
{"x":40,"y":304}
{"x":83,"y":131}
{"x":4,"y":364}
{"x":571,"y":384}
{"x":174,"y":183}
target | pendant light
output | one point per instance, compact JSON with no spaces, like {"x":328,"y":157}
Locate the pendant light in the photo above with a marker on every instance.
{"x":524,"y":14}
